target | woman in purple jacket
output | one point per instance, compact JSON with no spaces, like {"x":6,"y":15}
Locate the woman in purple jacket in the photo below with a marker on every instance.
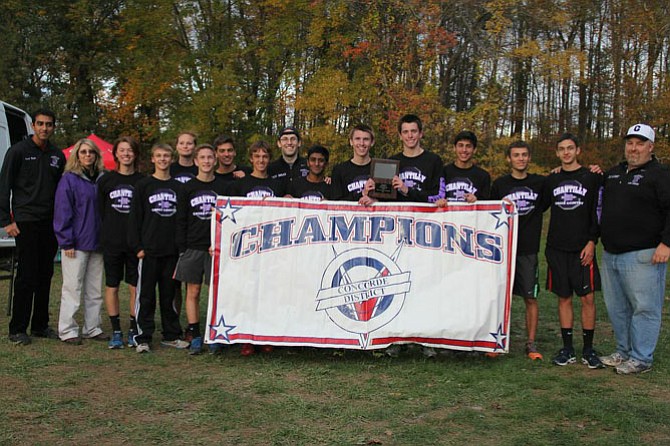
{"x":77,"y":228}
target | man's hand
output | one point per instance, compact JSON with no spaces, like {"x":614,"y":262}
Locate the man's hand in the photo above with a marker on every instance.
{"x":399,"y":185}
{"x":594,"y":168}
{"x":366,"y":201}
{"x":239,"y":174}
{"x":587,"y":253}
{"x":369,"y":185}
{"x":661,"y":254}
{"x":69,"y":253}
{"x":470,"y":198}
{"x":441,"y":203}
{"x":12,"y":230}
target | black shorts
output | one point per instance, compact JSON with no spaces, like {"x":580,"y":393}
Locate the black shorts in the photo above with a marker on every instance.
{"x":566,"y":275}
{"x":192,"y":265}
{"x":115,"y":266}
{"x":526,"y":276}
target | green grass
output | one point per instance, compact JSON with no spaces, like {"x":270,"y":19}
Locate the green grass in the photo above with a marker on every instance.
{"x":53,"y":393}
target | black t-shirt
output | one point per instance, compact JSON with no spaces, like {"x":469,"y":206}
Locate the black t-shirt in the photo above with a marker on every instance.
{"x":458,"y":182}
{"x":229,"y":176}
{"x":183,"y":174}
{"x":526,"y":194}
{"x":115,"y":197}
{"x":574,"y":198}
{"x":348,"y":180}
{"x":153,"y":217}
{"x":194,"y":210}
{"x":306,"y":190}
{"x":253,"y":187}
{"x":421,"y":174}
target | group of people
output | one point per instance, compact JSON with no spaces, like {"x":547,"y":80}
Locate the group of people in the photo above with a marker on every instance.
{"x":153,"y":232}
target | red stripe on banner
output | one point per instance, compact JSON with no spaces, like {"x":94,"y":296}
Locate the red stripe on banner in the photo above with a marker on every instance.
{"x":291,"y":339}
{"x":510,"y":284}
{"x":215,"y":266}
{"x":278,"y":340}
{"x":352,"y":206}
{"x":436,"y":341}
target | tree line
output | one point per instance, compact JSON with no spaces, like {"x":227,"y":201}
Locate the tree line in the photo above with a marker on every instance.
{"x":506,"y":69}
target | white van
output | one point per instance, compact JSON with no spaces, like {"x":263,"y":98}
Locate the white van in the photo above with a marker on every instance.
{"x":15,"y":125}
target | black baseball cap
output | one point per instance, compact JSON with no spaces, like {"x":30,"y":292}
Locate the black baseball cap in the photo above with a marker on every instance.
{"x":289,"y":131}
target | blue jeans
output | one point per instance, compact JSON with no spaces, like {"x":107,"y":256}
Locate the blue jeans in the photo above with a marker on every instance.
{"x":633,"y":289}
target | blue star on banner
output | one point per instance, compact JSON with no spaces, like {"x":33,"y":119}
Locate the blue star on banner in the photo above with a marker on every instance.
{"x":221,"y":330}
{"x":500,"y":337}
{"x":228,"y":212}
{"x":503,"y":215}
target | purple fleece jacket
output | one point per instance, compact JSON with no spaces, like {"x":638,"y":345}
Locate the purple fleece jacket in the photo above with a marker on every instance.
{"x":76,"y":213}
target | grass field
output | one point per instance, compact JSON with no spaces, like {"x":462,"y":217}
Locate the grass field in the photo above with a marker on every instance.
{"x":53,"y":394}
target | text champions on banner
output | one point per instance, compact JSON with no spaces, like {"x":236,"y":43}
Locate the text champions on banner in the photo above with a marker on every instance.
{"x":328,"y":274}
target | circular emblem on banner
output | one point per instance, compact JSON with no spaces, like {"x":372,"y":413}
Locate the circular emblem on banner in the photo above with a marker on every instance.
{"x":362,"y":290}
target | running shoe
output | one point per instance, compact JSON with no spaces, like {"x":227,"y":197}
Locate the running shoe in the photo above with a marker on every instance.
{"x":564,"y":357}
{"x":532,"y":353}
{"x":613,"y":360}
{"x":117,"y":341}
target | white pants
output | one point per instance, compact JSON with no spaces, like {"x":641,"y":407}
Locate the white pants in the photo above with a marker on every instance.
{"x":82,"y":278}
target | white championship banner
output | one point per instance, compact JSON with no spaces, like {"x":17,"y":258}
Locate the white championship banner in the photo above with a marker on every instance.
{"x":335,"y":274}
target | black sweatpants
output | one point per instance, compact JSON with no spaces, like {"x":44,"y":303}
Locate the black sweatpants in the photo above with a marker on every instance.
{"x":36,"y":248}
{"x":156,"y":271}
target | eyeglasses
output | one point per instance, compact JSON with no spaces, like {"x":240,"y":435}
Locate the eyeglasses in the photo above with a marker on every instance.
{"x":87,"y":152}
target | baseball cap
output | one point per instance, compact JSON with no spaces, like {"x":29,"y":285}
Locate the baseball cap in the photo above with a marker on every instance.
{"x":641,"y":131}
{"x":289,"y":131}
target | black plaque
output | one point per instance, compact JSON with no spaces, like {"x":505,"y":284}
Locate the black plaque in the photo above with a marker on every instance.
{"x":382,"y":172}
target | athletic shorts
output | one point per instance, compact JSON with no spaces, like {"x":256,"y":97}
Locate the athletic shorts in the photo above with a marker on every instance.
{"x":192,"y":265}
{"x":526,"y":276}
{"x":566,"y":275}
{"x":115,"y":266}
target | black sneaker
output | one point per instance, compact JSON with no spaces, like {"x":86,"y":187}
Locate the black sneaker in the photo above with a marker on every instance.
{"x":592,"y":360}
{"x":20,"y":339}
{"x":48,"y":333}
{"x":565,"y":356}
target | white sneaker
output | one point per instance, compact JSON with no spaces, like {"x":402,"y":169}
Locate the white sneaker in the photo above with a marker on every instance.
{"x":632,"y":366}
{"x":613,"y":360}
{"x":143,"y":348}
{"x":177,"y":343}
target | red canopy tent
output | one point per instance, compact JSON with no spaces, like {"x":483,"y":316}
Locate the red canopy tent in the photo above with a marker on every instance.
{"x":105,"y":148}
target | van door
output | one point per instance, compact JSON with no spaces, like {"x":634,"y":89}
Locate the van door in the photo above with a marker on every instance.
{"x":15,"y":126}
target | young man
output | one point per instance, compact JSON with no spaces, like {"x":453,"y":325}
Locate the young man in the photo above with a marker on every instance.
{"x":30,"y":174}
{"x":463,"y":180}
{"x":290,"y":165}
{"x":313,"y":187}
{"x":525,"y":191}
{"x":196,"y":200}
{"x":183,"y":170}
{"x":349,"y":177}
{"x":115,"y":196}
{"x":257,"y":185}
{"x":420,"y":170}
{"x":636,"y":237}
{"x":151,"y":235}
{"x":573,"y":195}
{"x":226,"y":168}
